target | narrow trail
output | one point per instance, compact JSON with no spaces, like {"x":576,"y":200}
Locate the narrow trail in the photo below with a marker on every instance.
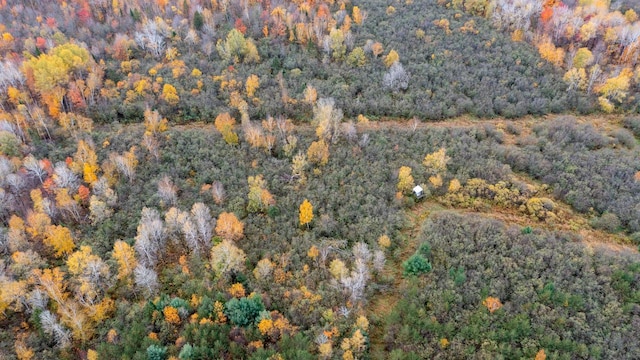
{"x":381,"y":305}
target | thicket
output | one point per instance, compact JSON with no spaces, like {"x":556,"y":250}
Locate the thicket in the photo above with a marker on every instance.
{"x":498,"y":291}
{"x":591,"y":171}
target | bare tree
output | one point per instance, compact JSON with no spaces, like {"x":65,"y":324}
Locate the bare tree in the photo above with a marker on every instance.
{"x":218,"y":193}
{"x":63,"y":177}
{"x":34,"y":167}
{"x":151,"y":38}
{"x":204,"y":223}
{"x":53,"y":328}
{"x":150,"y":237}
{"x":146,"y":279}
{"x":327,"y":118}
{"x":167,"y":191}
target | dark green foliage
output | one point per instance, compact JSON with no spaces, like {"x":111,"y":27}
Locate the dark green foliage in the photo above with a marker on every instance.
{"x":424,"y":250}
{"x":198,"y":20}
{"x":416,"y":265}
{"x":458,"y":275}
{"x":244,"y":311}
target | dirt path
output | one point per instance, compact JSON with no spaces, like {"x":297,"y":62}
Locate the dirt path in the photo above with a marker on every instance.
{"x":381,"y":305}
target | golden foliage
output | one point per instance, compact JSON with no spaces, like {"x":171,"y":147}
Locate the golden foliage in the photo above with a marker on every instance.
{"x":405,"y":179}
{"x":376,"y":49}
{"x":362,"y":323}
{"x":306,"y":212}
{"x":171,"y":315}
{"x":251,"y":85}
{"x":443,"y":24}
{"x":170,"y":94}
{"x":436,"y":161}
{"x":224,"y":124}
{"x":325,"y":350}
{"x":38,"y":224}
{"x":541,"y":355}
{"x":314,"y":252}
{"x":229,"y":227}
{"x":517,"y":35}
{"x":23,"y":352}
{"x":384,"y":241}
{"x":125,"y":256}
{"x":112,"y":336}
{"x":265,"y":326}
{"x":59,"y":238}
{"x":318,"y":153}
{"x":549,"y":52}
{"x":84,"y":154}
{"x":78,"y":261}
{"x":310,"y":94}
{"x":616,"y":88}
{"x":89,"y":173}
{"x":391,"y":58}
{"x":492,"y":303}
{"x":436,"y":180}
{"x":576,"y":78}
{"x":338,"y":269}
{"x":237,"y":290}
{"x":92,"y":354}
{"x":356,"y":14}
{"x":454,"y":186}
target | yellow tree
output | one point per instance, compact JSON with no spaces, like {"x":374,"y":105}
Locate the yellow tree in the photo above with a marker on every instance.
{"x":59,"y":238}
{"x":405,"y":179}
{"x":310,"y":94}
{"x":170,"y":94}
{"x":582,"y":58}
{"x":391,"y":58}
{"x":318,"y":153}
{"x":259,"y":197}
{"x":306,"y":213}
{"x":229,"y":227}
{"x":357,"y":15}
{"x":251,"y":85}
{"x":51,"y":72}
{"x":224,"y":124}
{"x":436,"y":161}
{"x":84,"y":155}
{"x":125,"y":255}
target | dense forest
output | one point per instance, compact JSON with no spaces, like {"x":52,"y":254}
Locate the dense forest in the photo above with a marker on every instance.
{"x":234,"y":179}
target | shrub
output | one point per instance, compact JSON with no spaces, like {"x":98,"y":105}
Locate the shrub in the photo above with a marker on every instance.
{"x":608,"y":222}
{"x":625,"y":138}
{"x":632,"y":123}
